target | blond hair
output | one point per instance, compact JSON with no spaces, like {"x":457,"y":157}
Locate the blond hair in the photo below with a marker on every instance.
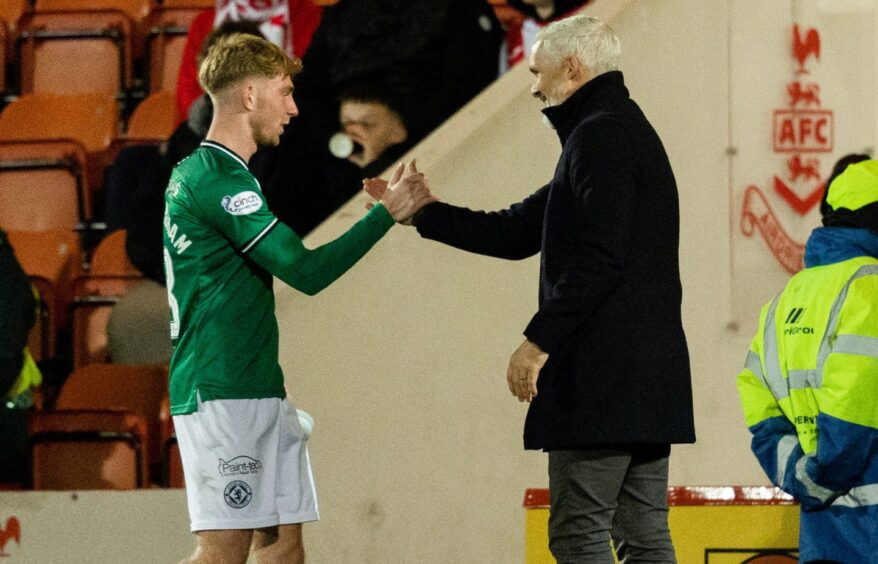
{"x":238,"y":56}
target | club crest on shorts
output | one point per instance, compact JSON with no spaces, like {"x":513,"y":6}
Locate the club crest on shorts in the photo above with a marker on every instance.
{"x":238,"y":494}
{"x":242,"y":203}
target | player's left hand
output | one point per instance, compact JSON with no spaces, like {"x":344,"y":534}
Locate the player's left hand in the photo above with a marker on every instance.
{"x":377,"y":188}
{"x":524,"y":369}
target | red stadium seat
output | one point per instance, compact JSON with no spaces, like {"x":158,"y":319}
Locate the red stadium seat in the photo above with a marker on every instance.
{"x":111,"y":259}
{"x":167,"y":38}
{"x":137,"y":389}
{"x":90,"y":119}
{"x":76,"y":52}
{"x":43,"y":185}
{"x":87,"y":449}
{"x":52,"y":260}
{"x":154,"y":119}
{"x":172,"y":464}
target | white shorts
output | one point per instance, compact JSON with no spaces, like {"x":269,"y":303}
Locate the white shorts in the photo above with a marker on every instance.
{"x":246,"y":465}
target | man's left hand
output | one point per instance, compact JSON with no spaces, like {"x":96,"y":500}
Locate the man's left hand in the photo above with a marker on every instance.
{"x":524,"y":369}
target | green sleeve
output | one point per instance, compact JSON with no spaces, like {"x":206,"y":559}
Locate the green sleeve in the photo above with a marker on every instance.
{"x":282,"y":253}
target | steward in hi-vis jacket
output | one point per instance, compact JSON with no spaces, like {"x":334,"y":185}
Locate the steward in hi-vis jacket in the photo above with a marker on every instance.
{"x":810,"y":385}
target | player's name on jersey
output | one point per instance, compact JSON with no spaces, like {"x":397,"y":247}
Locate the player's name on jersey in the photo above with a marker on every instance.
{"x":180,"y":243}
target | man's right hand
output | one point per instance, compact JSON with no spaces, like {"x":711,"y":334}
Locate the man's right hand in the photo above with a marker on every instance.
{"x":405,"y":194}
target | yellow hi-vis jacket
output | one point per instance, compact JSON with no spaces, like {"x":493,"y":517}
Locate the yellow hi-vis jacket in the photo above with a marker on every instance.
{"x":809,"y":391}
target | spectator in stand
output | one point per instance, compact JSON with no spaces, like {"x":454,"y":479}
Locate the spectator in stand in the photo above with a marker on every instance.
{"x":443,"y":62}
{"x":523,"y":19}
{"x":374,"y":115}
{"x":287,"y":23}
{"x":436,"y":66}
{"x":18,"y":373}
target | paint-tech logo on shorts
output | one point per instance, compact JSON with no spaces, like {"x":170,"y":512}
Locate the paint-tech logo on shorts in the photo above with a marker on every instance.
{"x":238,"y":494}
{"x":242,"y":203}
{"x":239,"y":466}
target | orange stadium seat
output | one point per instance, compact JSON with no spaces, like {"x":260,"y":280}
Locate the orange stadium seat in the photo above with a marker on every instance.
{"x":90,"y":119}
{"x":4,"y":50}
{"x":199,"y":4}
{"x":76,"y":52}
{"x":92,"y":304}
{"x":172,"y":464}
{"x":167,"y":38}
{"x":90,"y":316}
{"x":154,"y":119}
{"x":43,"y":185}
{"x":12,"y":10}
{"x":110,"y":257}
{"x":137,"y":10}
{"x":94,"y":295}
{"x":87,"y":449}
{"x":137,"y":389}
{"x":52,"y":260}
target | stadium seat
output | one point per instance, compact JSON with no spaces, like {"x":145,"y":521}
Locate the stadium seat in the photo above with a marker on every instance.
{"x":87,"y":449}
{"x":4,"y":56}
{"x":164,"y":44}
{"x":12,"y":10}
{"x":43,"y":185}
{"x":172,"y":464}
{"x":153,"y":120}
{"x":110,"y":257}
{"x":136,"y":10}
{"x":76,"y":53}
{"x":90,"y":316}
{"x":110,"y":276}
{"x":90,"y":119}
{"x":137,"y":389}
{"x":52,"y":260}
{"x":199,"y":4}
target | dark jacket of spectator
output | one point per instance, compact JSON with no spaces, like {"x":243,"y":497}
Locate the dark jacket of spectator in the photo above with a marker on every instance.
{"x":17,"y":315}
{"x":440,"y":52}
{"x":607,"y":228}
{"x":562,"y":7}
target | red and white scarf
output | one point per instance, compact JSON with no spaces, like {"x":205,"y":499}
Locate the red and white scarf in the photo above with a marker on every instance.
{"x":273,"y":15}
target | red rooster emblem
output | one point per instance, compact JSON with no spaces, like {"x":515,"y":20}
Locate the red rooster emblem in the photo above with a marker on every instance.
{"x":12,"y":531}
{"x":805,"y":47}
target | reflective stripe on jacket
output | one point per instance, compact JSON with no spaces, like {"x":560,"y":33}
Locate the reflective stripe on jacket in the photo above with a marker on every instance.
{"x":809,"y":391}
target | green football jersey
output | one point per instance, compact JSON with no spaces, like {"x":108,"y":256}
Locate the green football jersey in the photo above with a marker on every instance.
{"x":222,"y":248}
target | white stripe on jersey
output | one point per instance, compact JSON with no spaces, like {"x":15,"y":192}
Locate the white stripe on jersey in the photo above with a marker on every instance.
{"x":256,"y":239}
{"x":218,"y":147}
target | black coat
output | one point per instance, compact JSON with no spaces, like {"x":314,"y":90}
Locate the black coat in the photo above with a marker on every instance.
{"x":607,"y":228}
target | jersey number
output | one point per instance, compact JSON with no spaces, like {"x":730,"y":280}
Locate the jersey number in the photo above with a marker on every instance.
{"x":172,"y":301}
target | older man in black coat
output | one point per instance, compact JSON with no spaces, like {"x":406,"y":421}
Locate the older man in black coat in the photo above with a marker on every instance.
{"x":607,"y":342}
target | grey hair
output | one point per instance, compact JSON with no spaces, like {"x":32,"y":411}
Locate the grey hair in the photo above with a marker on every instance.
{"x":588,"y":38}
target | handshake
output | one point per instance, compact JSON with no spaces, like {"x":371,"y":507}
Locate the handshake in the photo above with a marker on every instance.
{"x":406,"y":193}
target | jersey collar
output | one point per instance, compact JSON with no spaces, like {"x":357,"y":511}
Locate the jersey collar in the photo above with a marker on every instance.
{"x":222,"y":148}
